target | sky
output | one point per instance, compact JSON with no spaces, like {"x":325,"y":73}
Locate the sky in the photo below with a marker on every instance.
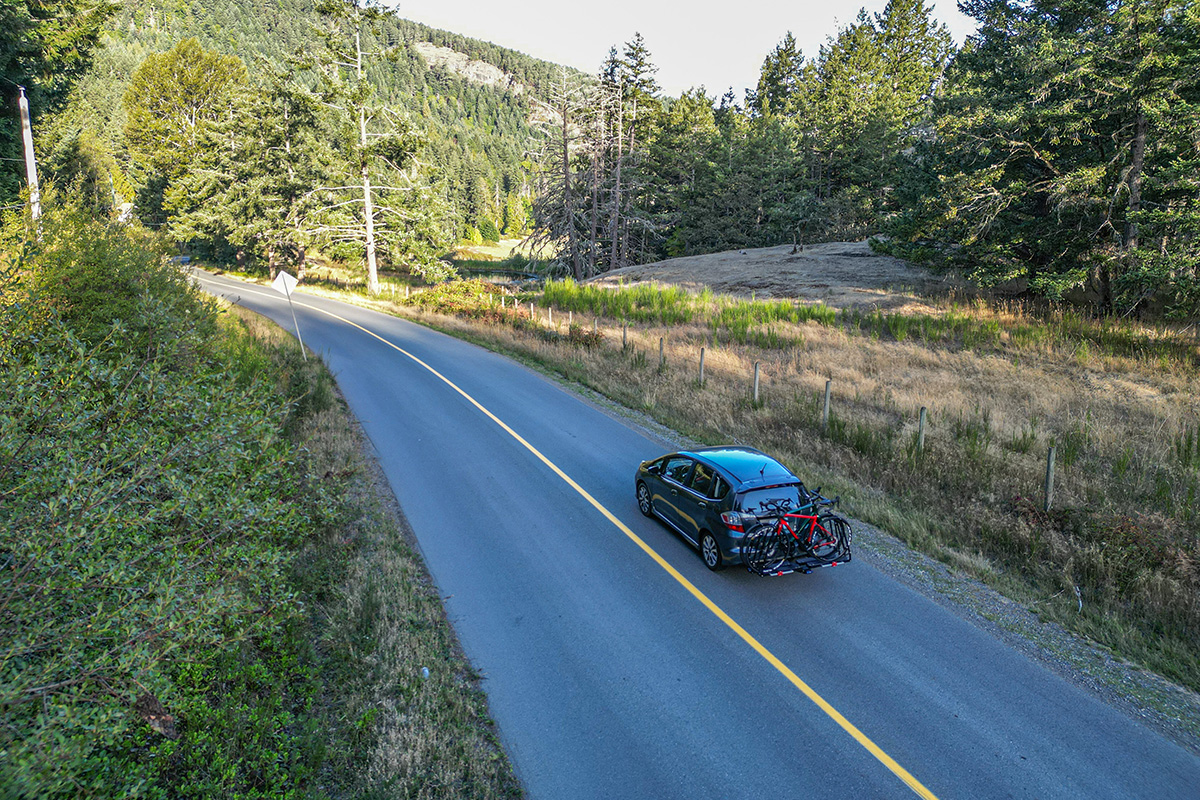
{"x":710,"y":43}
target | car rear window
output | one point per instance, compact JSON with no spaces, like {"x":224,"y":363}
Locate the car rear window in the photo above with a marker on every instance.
{"x":752,"y":501}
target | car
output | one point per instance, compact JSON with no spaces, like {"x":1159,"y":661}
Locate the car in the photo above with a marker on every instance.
{"x":713,"y":495}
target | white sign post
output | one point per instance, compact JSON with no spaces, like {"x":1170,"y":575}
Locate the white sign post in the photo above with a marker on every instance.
{"x":284,"y":283}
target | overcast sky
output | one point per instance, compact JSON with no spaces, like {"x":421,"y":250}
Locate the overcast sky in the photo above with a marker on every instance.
{"x":703,"y":42}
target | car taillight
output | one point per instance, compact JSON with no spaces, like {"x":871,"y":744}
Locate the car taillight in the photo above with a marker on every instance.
{"x":733,"y":521}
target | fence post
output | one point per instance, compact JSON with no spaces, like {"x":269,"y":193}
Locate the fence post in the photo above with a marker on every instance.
{"x":755,"y":383}
{"x":825,"y":411}
{"x":502,"y":301}
{"x":662,"y":357}
{"x":624,"y":334}
{"x":1049,"y":477}
{"x":406,"y":287}
{"x":550,"y":315}
{"x":701,"y":366}
{"x":921,"y":432}
{"x":570,"y":318}
{"x":595,"y":324}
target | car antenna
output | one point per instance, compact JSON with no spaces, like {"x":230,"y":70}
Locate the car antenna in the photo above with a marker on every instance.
{"x":762,"y":469}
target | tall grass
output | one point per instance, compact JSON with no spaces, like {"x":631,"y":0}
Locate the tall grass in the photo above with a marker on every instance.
{"x":774,"y":324}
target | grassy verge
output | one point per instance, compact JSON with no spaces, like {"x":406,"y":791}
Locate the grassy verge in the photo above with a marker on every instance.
{"x":201,"y":594}
{"x":1116,"y":558}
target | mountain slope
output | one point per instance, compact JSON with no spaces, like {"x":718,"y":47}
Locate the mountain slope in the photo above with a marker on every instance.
{"x":478,"y":131}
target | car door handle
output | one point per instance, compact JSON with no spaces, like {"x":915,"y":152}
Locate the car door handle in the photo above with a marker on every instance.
{"x":704,"y":505}
{"x":674,"y":493}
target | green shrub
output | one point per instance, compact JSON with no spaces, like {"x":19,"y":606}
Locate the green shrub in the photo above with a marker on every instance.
{"x":488,"y":231}
{"x":151,"y":509}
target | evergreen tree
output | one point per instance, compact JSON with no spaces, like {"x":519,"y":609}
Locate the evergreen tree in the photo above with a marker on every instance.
{"x":174,"y":103}
{"x":44,"y":47}
{"x":1057,"y":192}
{"x":378,"y":140}
{"x":781,"y":79}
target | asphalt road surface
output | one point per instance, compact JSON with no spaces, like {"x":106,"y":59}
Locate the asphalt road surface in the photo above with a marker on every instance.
{"x":618,"y":666}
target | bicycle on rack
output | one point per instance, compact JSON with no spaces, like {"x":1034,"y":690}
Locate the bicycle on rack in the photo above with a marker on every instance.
{"x":799,"y":540}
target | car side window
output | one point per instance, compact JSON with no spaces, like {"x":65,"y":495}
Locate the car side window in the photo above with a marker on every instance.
{"x":719,"y":488}
{"x":702,"y":478}
{"x":677,"y":470}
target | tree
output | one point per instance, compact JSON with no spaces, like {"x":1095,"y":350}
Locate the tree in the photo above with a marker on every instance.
{"x":252,"y":186}
{"x":1057,"y":192}
{"x":382,"y":141}
{"x":780,"y":80}
{"x":45,"y":47}
{"x":556,"y":210}
{"x":175,"y":102}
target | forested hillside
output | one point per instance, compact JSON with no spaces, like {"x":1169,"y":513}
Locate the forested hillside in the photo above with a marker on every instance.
{"x":471,"y":140}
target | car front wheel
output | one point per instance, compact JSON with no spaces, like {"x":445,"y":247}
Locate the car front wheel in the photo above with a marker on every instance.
{"x":710,"y":551}
{"x":643,"y":498}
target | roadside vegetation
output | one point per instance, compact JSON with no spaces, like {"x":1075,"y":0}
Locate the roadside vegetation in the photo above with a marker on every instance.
{"x":1115,"y":558}
{"x":201,"y":593}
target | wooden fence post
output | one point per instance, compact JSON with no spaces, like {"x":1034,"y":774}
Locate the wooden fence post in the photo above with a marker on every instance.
{"x":701,"y":366}
{"x":755,"y":383}
{"x":1050,"y":478}
{"x":624,"y":334}
{"x":825,"y":411}
{"x":921,"y":432}
{"x":662,"y":356}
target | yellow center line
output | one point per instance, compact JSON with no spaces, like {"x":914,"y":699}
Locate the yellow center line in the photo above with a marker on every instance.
{"x":720,"y":614}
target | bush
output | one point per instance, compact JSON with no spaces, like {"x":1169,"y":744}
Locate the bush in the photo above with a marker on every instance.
{"x":152,"y":506}
{"x":488,"y":231}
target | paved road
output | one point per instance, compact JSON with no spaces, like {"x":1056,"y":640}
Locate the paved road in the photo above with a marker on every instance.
{"x":610,"y":678}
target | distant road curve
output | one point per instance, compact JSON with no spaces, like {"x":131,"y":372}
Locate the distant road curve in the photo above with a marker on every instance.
{"x":617,"y":666}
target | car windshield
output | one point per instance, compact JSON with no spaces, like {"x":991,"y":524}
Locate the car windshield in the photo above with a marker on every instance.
{"x":787,"y":495}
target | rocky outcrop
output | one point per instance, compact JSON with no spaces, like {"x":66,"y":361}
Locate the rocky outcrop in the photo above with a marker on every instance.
{"x":478,"y":72}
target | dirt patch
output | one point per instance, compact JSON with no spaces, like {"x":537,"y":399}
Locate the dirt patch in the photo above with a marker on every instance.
{"x":839,"y":274}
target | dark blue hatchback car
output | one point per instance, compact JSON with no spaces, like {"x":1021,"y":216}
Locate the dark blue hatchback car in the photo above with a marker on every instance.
{"x":713,"y":495}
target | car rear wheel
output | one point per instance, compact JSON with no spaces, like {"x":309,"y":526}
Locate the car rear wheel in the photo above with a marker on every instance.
{"x":710,"y":551}
{"x":643,"y":498}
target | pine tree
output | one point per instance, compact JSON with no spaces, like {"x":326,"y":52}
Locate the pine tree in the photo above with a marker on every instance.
{"x":780,"y":80}
{"x":174,"y":103}
{"x":398,"y":215}
{"x":1057,"y":192}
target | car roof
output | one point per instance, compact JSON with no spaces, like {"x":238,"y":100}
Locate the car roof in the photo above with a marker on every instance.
{"x":748,"y":466}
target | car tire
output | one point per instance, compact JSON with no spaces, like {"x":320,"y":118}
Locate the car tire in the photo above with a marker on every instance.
{"x":710,"y":552}
{"x":643,"y":499}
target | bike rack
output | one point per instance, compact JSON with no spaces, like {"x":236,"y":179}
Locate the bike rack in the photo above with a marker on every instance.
{"x":805,"y":565}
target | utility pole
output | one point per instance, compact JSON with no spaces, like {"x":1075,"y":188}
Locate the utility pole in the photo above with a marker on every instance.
{"x":35,"y":196}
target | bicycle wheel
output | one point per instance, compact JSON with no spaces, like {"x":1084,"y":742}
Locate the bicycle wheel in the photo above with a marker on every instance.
{"x":830,"y":538}
{"x":763,"y":550}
